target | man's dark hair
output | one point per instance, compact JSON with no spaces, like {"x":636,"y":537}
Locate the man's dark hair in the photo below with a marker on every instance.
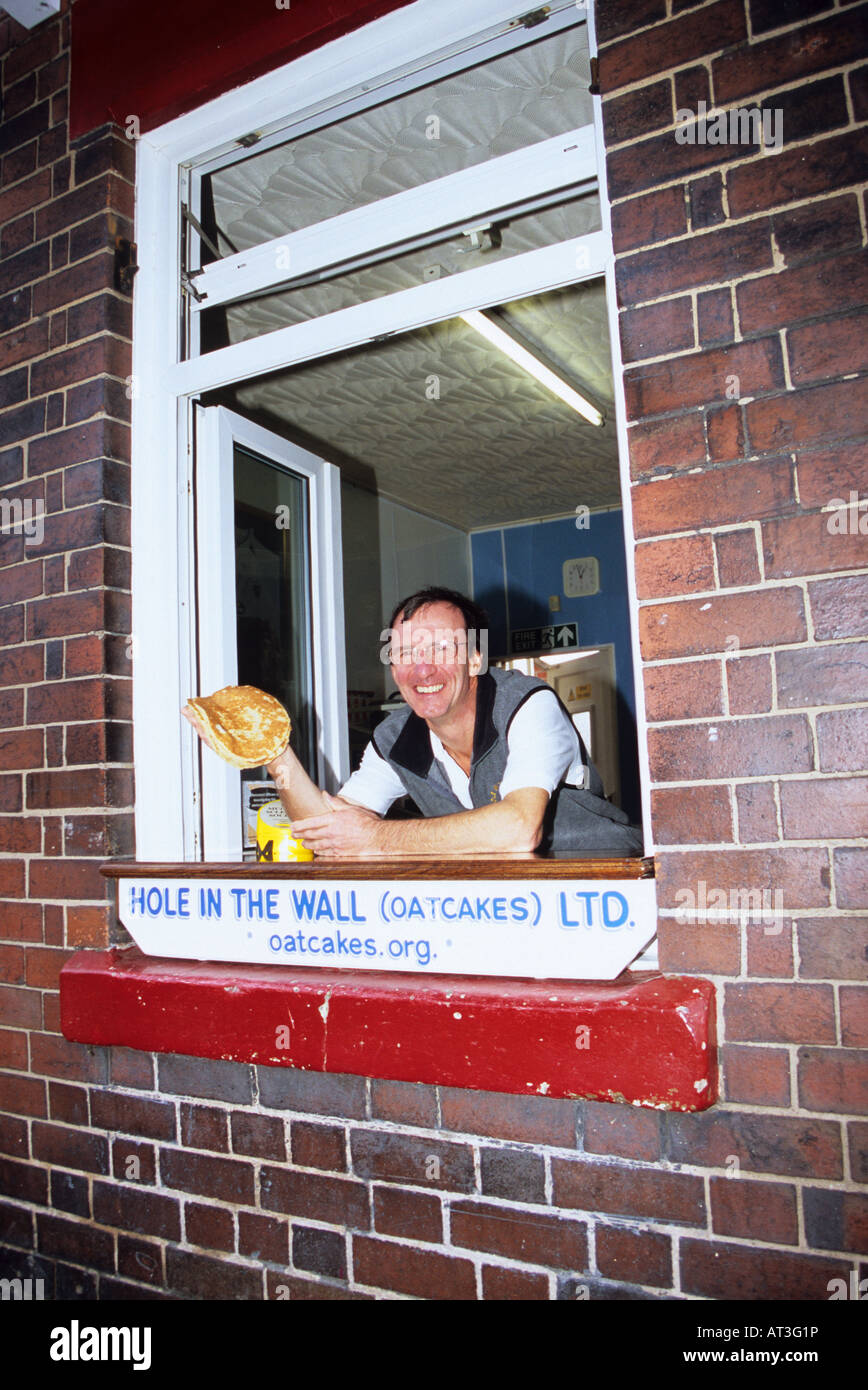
{"x":475,"y":617}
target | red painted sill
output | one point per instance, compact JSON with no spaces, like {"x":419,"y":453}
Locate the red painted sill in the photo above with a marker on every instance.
{"x":641,"y":1039}
{"x":645,"y":1040}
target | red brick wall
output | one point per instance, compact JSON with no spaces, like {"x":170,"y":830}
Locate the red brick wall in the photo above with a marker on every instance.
{"x":124,"y":1173}
{"x":742,"y":292}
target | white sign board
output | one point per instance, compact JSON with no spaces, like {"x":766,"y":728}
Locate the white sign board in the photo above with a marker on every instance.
{"x":588,"y":929}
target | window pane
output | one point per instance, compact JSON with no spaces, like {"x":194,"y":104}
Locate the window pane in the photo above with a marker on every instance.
{"x":272,"y":577}
{"x":448,"y":424}
{"x":515,"y":100}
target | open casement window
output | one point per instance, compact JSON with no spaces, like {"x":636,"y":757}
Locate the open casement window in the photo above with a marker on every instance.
{"x":269,"y":577}
{"x":364,"y":201}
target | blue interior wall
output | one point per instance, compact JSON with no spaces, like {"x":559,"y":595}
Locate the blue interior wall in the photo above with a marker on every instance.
{"x":520,"y":566}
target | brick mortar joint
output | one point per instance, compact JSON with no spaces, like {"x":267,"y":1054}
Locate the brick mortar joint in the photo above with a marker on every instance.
{"x":465,"y":1252}
{"x":751,"y":102}
{"x":795,"y":205}
{"x":706,"y":60}
{"x":585,"y":1157}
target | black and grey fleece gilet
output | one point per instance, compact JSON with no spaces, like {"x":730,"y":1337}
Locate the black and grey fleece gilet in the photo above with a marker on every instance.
{"x":578,"y":820}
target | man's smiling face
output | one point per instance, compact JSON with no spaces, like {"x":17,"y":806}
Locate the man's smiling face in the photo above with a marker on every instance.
{"x":432,"y":666}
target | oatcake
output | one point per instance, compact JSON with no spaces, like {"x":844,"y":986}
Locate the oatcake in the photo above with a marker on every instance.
{"x":245,"y":726}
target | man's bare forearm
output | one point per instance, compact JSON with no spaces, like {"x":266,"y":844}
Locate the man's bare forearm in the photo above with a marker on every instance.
{"x":351,"y":832}
{"x":301,"y":796}
{"x":503,"y":827}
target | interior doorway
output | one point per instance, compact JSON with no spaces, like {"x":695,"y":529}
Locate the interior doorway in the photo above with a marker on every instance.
{"x":586,"y":685}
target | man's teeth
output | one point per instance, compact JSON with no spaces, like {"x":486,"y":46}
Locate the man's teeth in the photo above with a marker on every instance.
{"x":428,"y":689}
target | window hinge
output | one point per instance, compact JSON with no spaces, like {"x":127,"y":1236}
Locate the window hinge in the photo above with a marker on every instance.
{"x":534,"y":17}
{"x":594,"y":88}
{"x":485,"y":237}
{"x":126,"y":265}
{"x":187,"y":286}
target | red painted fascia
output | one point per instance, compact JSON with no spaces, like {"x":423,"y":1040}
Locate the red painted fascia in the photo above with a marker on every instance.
{"x":157,"y":61}
{"x":649,"y":1039}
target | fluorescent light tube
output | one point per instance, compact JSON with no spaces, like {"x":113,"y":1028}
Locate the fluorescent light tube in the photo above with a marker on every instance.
{"x":499,"y":338}
{"x":562,"y":658}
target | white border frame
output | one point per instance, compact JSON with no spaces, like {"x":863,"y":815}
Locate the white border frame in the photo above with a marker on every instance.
{"x":550,"y":267}
{"x":163,"y":433}
{"x":650,"y":957}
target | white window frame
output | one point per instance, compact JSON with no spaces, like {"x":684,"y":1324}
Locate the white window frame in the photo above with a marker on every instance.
{"x":439,"y":205}
{"x":164,"y":386}
{"x":218,"y":431}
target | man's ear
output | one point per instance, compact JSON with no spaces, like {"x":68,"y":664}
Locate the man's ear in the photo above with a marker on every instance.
{"x":474,"y":665}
